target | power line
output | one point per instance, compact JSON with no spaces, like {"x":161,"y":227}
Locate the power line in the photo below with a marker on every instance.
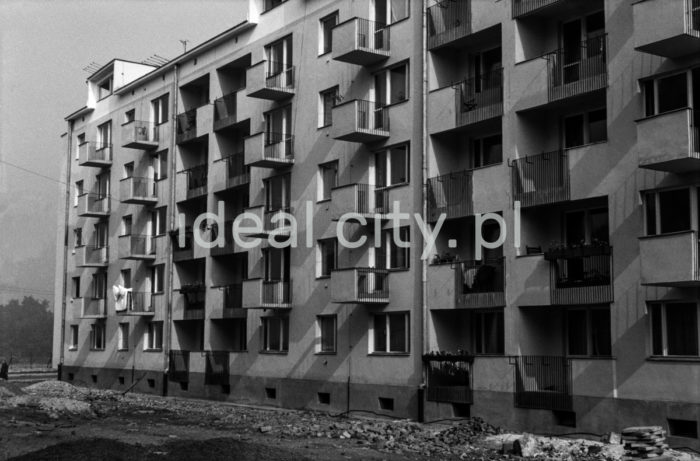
{"x":33,"y":172}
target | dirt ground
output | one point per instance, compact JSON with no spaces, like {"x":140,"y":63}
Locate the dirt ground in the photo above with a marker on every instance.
{"x":57,"y":421}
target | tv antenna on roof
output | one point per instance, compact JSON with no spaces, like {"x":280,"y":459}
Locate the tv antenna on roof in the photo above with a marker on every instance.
{"x":92,"y":67}
{"x":184,"y":45}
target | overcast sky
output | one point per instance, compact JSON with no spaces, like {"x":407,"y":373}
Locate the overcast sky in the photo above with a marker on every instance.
{"x":44,"y":46}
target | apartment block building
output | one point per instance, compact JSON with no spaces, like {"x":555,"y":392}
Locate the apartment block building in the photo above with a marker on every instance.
{"x":564,"y":126}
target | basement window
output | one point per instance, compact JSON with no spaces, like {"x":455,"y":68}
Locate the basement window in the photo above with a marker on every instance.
{"x":386,"y":404}
{"x":683,"y":428}
{"x":324,"y":398}
{"x":271,"y":393}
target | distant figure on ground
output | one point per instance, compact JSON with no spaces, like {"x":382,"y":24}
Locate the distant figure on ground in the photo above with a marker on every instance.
{"x":4,"y":369}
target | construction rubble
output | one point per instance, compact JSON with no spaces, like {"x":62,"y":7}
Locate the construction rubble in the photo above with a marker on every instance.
{"x":471,"y":438}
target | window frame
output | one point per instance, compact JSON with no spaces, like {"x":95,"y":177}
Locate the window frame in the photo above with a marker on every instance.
{"x":321,"y":191}
{"x":478,"y":321}
{"x":98,"y":336}
{"x":74,"y":337}
{"x":586,"y":128}
{"x":386,"y":72}
{"x":265,"y":325}
{"x":693,"y":201}
{"x":664,"y":305}
{"x":322,"y":259}
{"x":325,"y":119}
{"x":320,"y":350}
{"x":386,"y":181}
{"x":373,"y":349}
{"x":588,"y":331}
{"x":160,"y":109}
{"x":326,"y":46}
{"x":123,"y":336}
{"x":153,"y":342}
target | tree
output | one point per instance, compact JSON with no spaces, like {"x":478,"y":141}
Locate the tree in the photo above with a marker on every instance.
{"x":26,"y":330}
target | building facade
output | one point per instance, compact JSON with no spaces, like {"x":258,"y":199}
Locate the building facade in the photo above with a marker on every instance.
{"x":566,"y":127}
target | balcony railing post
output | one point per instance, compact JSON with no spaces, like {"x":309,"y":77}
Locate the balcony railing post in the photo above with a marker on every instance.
{"x":448,"y":20}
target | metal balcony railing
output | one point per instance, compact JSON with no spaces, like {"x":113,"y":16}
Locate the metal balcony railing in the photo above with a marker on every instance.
{"x":233,"y":296}
{"x":692,"y":8}
{"x":541,"y":179}
{"x":138,"y":132}
{"x":186,"y":126}
{"x":542,"y":382}
{"x":577,"y":69}
{"x":195,"y":298}
{"x":179,"y":366}
{"x":138,"y":303}
{"x":480,"y":283}
{"x":94,"y":203}
{"x":275,"y":292}
{"x":522,"y":7}
{"x":449,"y":378}
{"x":372,"y":35}
{"x":216,"y":370}
{"x":96,"y":255}
{"x":580,"y":274}
{"x":451,"y":194}
{"x":372,"y":116}
{"x":479,"y":98}
{"x":278,"y":146}
{"x":225,"y":110}
{"x":447,"y":21}
{"x":372,"y":284}
{"x":139,"y":245}
{"x":279,"y":75}
{"x":197,"y":177}
{"x":134,"y":188}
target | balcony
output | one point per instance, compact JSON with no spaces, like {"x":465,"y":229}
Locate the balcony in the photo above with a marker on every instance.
{"x":521,"y":8}
{"x":179,"y":366}
{"x":668,"y":28}
{"x":139,"y":135}
{"x":229,"y":172}
{"x":192,"y":302}
{"x":95,"y":154}
{"x":93,"y":308}
{"x":137,"y":247}
{"x":267,"y":294}
{"x":669,"y":142}
{"x":216,"y":371}
{"x":360,"y":121}
{"x":367,"y":200}
{"x":195,"y":183}
{"x":269,"y":150}
{"x":92,"y":256}
{"x":186,"y":126}
{"x":577,"y":70}
{"x":466,"y":284}
{"x":138,"y":303}
{"x":580,"y":274}
{"x":670,"y":259}
{"x":541,"y":179}
{"x":139,"y":191}
{"x":448,"y":21}
{"x":270,"y":80}
{"x":449,"y":378}
{"x":226,"y":302}
{"x":542,"y":382}
{"x":230,"y":246}
{"x":92,"y":205}
{"x":360,"y":41}
{"x":451,"y":194}
{"x":183,"y":245}
{"x":360,"y":285}
{"x":272,"y":221}
{"x":225,"y":111}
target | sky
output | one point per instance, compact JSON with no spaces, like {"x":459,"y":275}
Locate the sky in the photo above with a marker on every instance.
{"x":44,"y":47}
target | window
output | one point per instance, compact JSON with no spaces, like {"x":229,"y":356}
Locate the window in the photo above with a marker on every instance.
{"x":327,"y":23}
{"x":157,"y":275}
{"x":100,"y":235}
{"x":237,"y":332}
{"x":391,"y":254}
{"x":125,"y":276}
{"x":279,"y":61}
{"x":581,"y":129}
{"x":104,"y":88}
{"x":588,"y":332}
{"x":129,"y":170}
{"x":154,"y":336}
{"x":489,"y":337}
{"x":275,"y":334}
{"x":391,"y":85}
{"x":80,"y":140}
{"x":487,"y":151}
{"x":278,"y":130}
{"x":390,"y":333}
{"x":159,"y":107}
{"x":328,"y":179}
{"x":391,"y":166}
{"x":667,"y":211}
{"x":270,"y":4}
{"x":326,"y":328}
{"x":78,"y":234}
{"x":127,"y":222}
{"x":586,"y":226}
{"x":276,"y":261}
{"x":75,"y":288}
{"x":674,"y":329}
{"x":97,"y":336}
{"x":73,"y":345}
{"x":158,"y":220}
{"x":327,"y":257}
{"x":79,"y":190}
{"x":99,"y":285}
{"x":665,"y":94}
{"x":160,"y":165}
{"x":104,"y":135}
{"x":327,"y":100}
{"x":277,"y":192}
{"x":123,"y":337}
{"x":390,"y":11}
{"x":129,"y":116}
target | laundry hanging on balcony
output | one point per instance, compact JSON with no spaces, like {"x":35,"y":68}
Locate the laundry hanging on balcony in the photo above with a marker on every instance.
{"x":121,"y":297}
